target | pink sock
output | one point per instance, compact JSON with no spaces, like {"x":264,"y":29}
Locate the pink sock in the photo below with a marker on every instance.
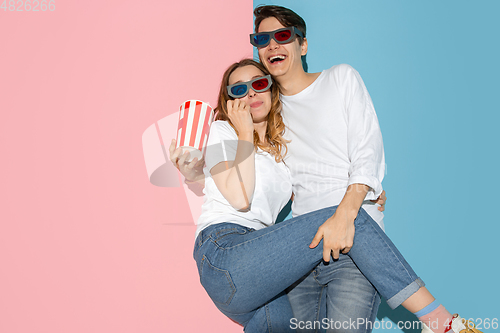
{"x":438,"y":320}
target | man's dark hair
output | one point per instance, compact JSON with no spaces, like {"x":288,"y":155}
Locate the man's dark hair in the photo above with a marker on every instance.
{"x":285,"y":16}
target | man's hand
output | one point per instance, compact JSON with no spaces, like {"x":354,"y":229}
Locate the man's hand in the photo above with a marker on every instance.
{"x":192,"y":171}
{"x":338,"y":231}
{"x":337,"y":234}
{"x":381,"y":201}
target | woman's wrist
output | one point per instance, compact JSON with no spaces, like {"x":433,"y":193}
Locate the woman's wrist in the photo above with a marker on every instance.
{"x":247,"y":136}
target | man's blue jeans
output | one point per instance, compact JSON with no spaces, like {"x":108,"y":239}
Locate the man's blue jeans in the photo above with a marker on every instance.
{"x":245,"y":271}
{"x":323,"y":300}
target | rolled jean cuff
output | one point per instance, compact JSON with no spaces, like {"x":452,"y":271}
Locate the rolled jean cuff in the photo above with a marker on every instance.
{"x":403,"y":295}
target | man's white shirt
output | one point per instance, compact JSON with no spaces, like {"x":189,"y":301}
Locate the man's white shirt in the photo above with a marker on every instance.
{"x":335,"y":142}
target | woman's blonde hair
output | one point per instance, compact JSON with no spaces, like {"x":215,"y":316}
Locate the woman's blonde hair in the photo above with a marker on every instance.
{"x":275,"y":126}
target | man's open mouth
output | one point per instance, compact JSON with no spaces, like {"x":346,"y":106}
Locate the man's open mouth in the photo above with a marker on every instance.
{"x":277,"y":58}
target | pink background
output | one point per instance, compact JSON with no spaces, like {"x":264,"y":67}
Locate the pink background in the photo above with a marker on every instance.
{"x":87,"y":243}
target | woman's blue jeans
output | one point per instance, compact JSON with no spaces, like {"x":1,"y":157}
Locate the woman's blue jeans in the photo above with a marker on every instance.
{"x":246,"y":271}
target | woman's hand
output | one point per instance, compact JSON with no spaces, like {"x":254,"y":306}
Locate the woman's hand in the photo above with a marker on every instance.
{"x":192,"y":171}
{"x":239,"y":114}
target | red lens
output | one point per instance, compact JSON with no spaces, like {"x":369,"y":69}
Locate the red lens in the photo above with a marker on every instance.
{"x":283,"y":35}
{"x":260,"y":84}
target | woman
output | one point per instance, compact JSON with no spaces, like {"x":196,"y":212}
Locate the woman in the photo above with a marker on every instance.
{"x":245,"y":261}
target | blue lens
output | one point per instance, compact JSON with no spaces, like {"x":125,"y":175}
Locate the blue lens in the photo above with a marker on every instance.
{"x":261,"y":39}
{"x":239,"y":90}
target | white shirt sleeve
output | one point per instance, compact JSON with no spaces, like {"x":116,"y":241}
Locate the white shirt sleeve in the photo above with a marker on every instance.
{"x":364,"y":139}
{"x":221,"y":145}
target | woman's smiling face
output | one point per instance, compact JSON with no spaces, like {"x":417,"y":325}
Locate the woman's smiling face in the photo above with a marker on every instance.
{"x":260,"y":103}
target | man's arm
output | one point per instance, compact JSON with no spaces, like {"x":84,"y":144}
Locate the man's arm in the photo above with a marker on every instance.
{"x":364,"y":138}
{"x":367,"y":164}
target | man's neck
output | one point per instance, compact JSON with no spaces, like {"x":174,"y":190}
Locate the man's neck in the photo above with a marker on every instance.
{"x":294,"y":82}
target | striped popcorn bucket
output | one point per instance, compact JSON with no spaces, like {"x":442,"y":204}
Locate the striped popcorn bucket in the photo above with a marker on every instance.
{"x":195,"y":118}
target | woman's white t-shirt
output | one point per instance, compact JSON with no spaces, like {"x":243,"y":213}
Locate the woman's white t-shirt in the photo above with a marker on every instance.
{"x":273,"y":186}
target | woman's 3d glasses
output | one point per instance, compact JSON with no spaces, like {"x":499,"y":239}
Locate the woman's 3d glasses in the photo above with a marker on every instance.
{"x":240,"y":89}
{"x":281,"y":36}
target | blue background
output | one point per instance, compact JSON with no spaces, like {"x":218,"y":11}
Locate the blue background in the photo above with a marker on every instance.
{"x":432,"y":70}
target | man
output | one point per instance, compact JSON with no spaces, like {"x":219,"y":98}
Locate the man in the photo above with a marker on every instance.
{"x":335,"y":156}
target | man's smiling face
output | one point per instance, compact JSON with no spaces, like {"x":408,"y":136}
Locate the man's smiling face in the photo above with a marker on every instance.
{"x":280,"y":59}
